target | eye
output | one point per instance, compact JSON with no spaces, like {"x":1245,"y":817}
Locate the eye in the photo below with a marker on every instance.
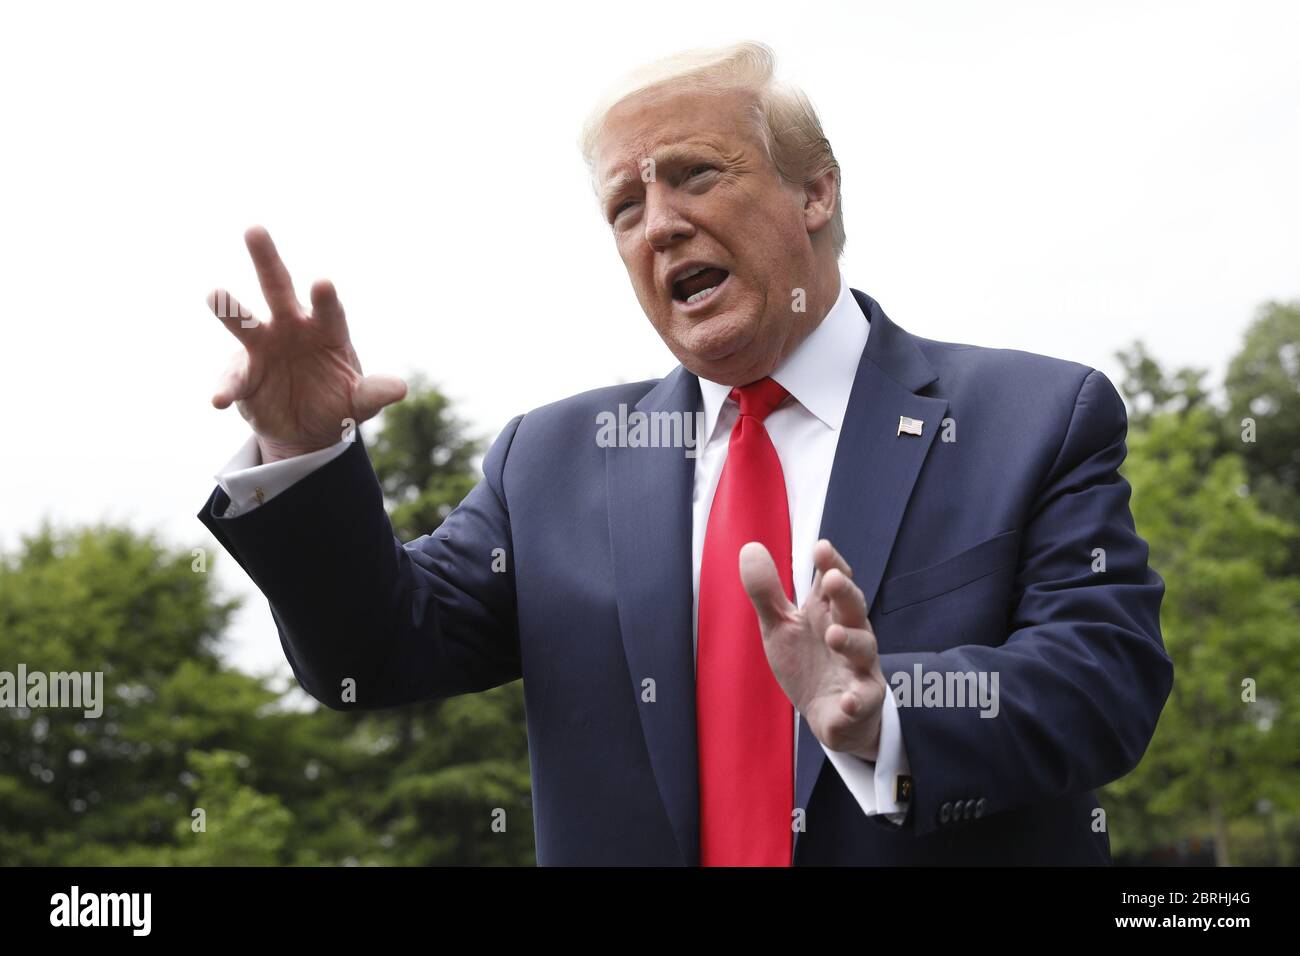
{"x":698,"y":170}
{"x":620,"y":208}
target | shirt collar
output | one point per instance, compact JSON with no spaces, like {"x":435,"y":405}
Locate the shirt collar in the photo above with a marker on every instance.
{"x":820,"y":372}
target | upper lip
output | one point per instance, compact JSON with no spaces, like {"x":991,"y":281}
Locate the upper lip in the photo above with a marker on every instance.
{"x":682,"y":268}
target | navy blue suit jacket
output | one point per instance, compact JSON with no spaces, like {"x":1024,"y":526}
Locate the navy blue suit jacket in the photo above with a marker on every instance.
{"x":975,"y":554}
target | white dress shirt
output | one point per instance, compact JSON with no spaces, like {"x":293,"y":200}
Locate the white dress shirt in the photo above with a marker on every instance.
{"x":819,"y":375}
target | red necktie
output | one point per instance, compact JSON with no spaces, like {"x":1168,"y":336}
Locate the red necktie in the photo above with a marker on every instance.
{"x":745,"y":722}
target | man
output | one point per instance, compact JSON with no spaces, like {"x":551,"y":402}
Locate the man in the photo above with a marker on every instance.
{"x":891,"y":608}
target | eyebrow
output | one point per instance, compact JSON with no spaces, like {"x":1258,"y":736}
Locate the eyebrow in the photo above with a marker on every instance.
{"x":663,"y":156}
{"x":616,"y":186}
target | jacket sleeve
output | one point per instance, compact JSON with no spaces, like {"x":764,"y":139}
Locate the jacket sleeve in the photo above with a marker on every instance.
{"x":1083,"y":673}
{"x":369,"y":622}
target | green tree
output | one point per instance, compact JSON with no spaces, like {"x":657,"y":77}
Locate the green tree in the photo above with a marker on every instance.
{"x":1230,"y":731}
{"x":1263,"y":417}
{"x":278,"y":783}
{"x":1150,"y":391}
{"x":423,"y":459}
{"x":231,"y":823}
{"x":177,"y":723}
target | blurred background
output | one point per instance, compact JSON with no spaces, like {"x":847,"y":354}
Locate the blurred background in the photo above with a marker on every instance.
{"x":1111,"y":183}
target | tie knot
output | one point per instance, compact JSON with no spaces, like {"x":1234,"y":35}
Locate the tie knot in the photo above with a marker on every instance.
{"x":759,"y":398}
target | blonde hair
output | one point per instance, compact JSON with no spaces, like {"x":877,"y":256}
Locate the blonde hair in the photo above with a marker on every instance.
{"x":787,"y":122}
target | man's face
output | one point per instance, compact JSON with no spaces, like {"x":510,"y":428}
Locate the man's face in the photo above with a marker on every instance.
{"x":713,"y":200}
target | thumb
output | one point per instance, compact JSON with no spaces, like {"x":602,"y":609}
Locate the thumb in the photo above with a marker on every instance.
{"x":374,"y":392}
{"x":763,"y":585}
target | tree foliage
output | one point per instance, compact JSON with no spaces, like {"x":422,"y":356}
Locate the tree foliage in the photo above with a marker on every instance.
{"x":1224,"y":753}
{"x":193,"y":762}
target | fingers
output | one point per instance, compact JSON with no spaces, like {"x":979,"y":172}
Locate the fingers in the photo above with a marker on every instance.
{"x":233,"y":384}
{"x":825,"y":557}
{"x":375,"y":392}
{"x":272,"y":274}
{"x":851,"y":722}
{"x":834,"y":581}
{"x":763,"y":585}
{"x":848,"y":603}
{"x":859,"y":704}
{"x":856,"y":645}
{"x":852,"y":704}
{"x":856,"y":702}
{"x":327,"y":312}
{"x":237,"y":319}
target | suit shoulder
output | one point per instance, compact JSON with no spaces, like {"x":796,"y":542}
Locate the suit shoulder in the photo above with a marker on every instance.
{"x":595,"y":400}
{"x":963,"y":366}
{"x":1014,"y":390}
{"x":577,"y":414}
{"x":563,"y":431}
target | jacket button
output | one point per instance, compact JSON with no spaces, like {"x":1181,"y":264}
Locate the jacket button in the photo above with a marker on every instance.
{"x":945,"y":813}
{"x":968,"y":813}
{"x":980,"y":805}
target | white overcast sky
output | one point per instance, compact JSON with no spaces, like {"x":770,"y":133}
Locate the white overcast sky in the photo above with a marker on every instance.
{"x":1055,"y":177}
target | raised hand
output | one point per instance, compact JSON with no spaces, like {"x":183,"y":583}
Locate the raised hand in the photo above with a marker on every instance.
{"x":297,"y":380}
{"x":824,"y":653}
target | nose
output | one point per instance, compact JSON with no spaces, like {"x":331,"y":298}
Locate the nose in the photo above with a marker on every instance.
{"x":665,"y":223}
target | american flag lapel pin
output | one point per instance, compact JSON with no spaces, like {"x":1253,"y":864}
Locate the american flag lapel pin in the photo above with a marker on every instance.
{"x":909,"y":426}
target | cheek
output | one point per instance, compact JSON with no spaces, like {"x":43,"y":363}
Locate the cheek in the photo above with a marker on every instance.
{"x":640,"y":267}
{"x":784,"y":222}
{"x":763,"y":229}
{"x":640,"y":271}
{"x":783,"y":253}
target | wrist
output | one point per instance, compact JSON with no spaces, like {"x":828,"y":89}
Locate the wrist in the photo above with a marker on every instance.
{"x":871,"y":752}
{"x":277,"y":451}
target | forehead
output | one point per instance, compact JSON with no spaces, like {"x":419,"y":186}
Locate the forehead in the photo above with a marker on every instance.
{"x":660,"y":125}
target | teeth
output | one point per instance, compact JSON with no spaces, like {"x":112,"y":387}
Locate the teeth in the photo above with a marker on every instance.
{"x":700,"y":295}
{"x":691,"y":272}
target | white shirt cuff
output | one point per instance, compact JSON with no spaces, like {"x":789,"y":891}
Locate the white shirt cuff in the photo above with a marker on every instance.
{"x":875,"y":785}
{"x":249,"y":483}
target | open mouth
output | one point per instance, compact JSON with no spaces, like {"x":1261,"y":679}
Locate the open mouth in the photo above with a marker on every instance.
{"x":698,"y":284}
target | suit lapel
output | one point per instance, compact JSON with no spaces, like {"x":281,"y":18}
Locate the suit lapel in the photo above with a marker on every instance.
{"x":650,"y":492}
{"x":874,"y":472}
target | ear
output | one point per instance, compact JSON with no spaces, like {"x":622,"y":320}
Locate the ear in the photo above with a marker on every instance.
{"x":820,"y":199}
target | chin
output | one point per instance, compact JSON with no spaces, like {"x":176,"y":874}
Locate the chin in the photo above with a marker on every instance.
{"x":728,"y":360}
{"x":719,"y":338}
